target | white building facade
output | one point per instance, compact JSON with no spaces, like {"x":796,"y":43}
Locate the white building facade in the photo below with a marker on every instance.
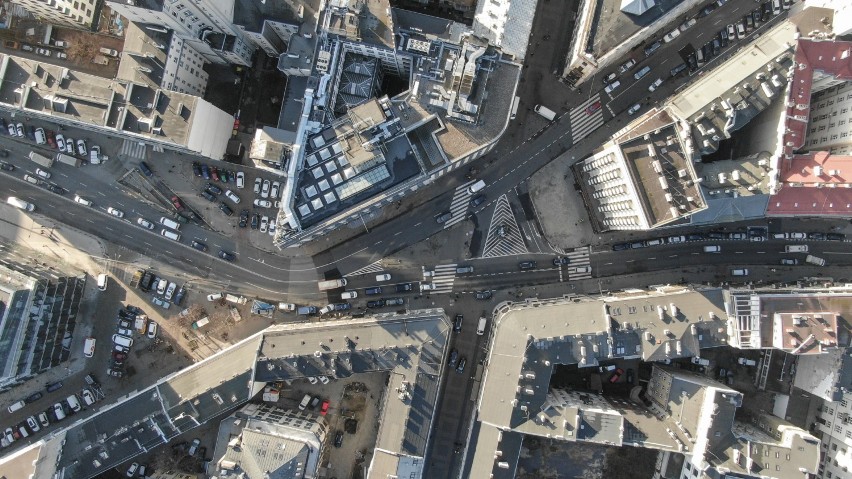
{"x":78,"y":14}
{"x":506,"y":23}
{"x":830,"y":124}
{"x":834,"y":421}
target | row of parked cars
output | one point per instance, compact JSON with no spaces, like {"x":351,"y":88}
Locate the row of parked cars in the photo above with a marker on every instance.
{"x":734,"y":235}
{"x":72,"y":404}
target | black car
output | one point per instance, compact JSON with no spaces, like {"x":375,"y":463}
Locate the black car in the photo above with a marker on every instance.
{"x":196,"y":169}
{"x":33,"y":397}
{"x":454,"y":357}
{"x":650,"y":49}
{"x":214,"y":189}
{"x":723,"y":37}
{"x":482,"y":295}
{"x":7,"y":166}
{"x":244,"y":217}
{"x":55,"y":189}
{"x":717,"y":46}
{"x":527,"y":264}
{"x":208,"y":196}
{"x":756,"y":16}
{"x":338,"y":439}
{"x":835,"y":237}
{"x":621,"y":246}
{"x":179,"y":296}
{"x":376,"y":303}
{"x":53,"y":386}
{"x":457,"y":323}
{"x":477,"y":200}
{"x":373,"y":291}
{"x":146,"y":170}
{"x":716,"y":235}
{"x":226,"y":209}
{"x":817,"y":236}
{"x":403,"y":287}
{"x":637,"y":245}
{"x":694,"y":237}
{"x":227,"y":256}
{"x":561,"y":261}
{"x":199,"y":245}
{"x":462,"y":363}
{"x":255,"y":221}
{"x":342,"y":306}
{"x":767,"y":11}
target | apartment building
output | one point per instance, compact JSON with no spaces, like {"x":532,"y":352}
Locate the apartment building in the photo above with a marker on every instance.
{"x":70,"y":13}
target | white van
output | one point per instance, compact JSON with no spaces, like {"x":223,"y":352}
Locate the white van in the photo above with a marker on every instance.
{"x":478,"y":185}
{"x":712,"y":249}
{"x":123,"y":341}
{"x":40,"y":137}
{"x":89,"y":347}
{"x":739,"y":272}
{"x":480,"y":328}
{"x":286,"y":307}
{"x":102,"y":281}
{"x":383,"y":277}
{"x":170,"y":234}
{"x":349,"y":295}
{"x":19,"y":203}
{"x":74,"y":403}
{"x":305,"y":401}
{"x":168,"y":223}
{"x":17,"y":406}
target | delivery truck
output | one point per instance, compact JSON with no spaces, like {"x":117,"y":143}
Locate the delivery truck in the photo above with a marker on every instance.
{"x":331,"y":284}
{"x":545,"y":112}
{"x":41,"y":159}
{"x":814,"y":260}
{"x":68,"y":160}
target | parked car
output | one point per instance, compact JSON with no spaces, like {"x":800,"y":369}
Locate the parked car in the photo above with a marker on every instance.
{"x":482,"y":295}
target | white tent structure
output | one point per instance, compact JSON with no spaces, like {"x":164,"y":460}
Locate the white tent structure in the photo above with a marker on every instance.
{"x":637,"y":7}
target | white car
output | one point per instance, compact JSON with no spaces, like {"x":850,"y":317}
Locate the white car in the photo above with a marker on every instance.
{"x":12,"y":131}
{"x":44,"y":174}
{"x":262,"y":203}
{"x":264,"y":192}
{"x":214,"y":296}
{"x":145,"y":223}
{"x":323,"y":379}
{"x":82,"y":201}
{"x":633,"y":109}
{"x":69,"y":146}
{"x":312,"y":379}
{"x":87,"y":396}
{"x":161,"y":287}
{"x":33,"y":424}
{"x":170,"y":291}
{"x":152,"y":330}
{"x":257,"y":183}
{"x":60,"y":142}
{"x":31,"y":179}
{"x":241,"y":180}
{"x":131,"y":471}
{"x":232,"y":196}
{"x":115,"y":212}
{"x":275,"y":192}
{"x":81,"y":148}
{"x":264,"y":224}
{"x":657,"y":83}
{"x":19,"y":129}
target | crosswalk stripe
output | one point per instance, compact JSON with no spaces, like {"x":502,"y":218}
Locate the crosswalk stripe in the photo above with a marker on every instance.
{"x":582,"y":123}
{"x":511,"y":243}
{"x":373,"y":267}
{"x":133,"y":149}
{"x":444,"y":278}
{"x":459,"y":205}
{"x":578,"y":258}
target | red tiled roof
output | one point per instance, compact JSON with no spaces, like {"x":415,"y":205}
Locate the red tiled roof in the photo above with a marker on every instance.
{"x":793,"y":201}
{"x":833,"y":169}
{"x":830,"y":57}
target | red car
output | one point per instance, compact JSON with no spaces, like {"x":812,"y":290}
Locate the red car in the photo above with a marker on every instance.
{"x":616,"y":375}
{"x":214,"y":173}
{"x":177,"y":203}
{"x":324,"y":408}
{"x":51,"y":138}
{"x":593,"y":107}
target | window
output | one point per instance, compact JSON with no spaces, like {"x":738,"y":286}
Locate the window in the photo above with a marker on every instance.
{"x":821,"y":127}
{"x":837,"y":429}
{"x":844,"y":403}
{"x":833,"y":137}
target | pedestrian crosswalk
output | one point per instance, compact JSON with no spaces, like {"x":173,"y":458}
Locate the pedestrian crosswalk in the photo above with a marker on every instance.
{"x":133,"y":149}
{"x":459,"y":205}
{"x":373,"y":267}
{"x":443,"y":278}
{"x":504,"y":237}
{"x":579,"y":266}
{"x":582,"y":121}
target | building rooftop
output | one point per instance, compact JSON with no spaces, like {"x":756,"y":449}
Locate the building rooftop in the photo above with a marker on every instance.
{"x":412,"y":346}
{"x":140,"y":110}
{"x":791,"y":201}
{"x":367,"y":21}
{"x":251,"y":14}
{"x":145,"y":55}
{"x":825,"y":375}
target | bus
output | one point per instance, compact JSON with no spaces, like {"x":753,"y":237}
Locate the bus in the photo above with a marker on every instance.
{"x":515,"y":103}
